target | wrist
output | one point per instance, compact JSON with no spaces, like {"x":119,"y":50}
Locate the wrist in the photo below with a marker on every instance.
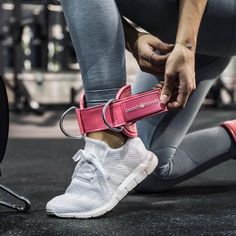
{"x":187,"y":37}
{"x":187,"y":45}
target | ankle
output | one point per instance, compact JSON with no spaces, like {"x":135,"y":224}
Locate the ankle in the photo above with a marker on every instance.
{"x":113,"y":139}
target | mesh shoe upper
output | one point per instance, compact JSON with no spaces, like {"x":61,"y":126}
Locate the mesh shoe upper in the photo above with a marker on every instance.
{"x":98,"y":173}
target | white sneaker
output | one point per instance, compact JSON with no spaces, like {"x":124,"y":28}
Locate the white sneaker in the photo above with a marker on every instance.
{"x":102,"y":177}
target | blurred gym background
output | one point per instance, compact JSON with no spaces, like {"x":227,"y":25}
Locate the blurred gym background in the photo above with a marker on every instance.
{"x":42,"y":76}
{"x":39,"y":66}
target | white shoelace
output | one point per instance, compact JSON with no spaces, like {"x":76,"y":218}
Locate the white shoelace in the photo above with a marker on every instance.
{"x":83,"y":157}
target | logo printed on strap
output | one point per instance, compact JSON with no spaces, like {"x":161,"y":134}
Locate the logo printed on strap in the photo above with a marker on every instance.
{"x":142,"y":105}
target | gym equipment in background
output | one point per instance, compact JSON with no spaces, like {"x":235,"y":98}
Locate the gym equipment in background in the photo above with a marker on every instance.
{"x":215,"y":95}
{"x":4,"y":119}
{"x":4,"y":125}
{"x":10,"y":40}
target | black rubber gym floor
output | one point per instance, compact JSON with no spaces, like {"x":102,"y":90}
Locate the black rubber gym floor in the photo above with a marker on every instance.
{"x":41,"y":169}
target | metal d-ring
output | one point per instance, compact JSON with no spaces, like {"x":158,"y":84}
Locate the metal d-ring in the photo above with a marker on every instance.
{"x":62,"y":127}
{"x":105,"y":119}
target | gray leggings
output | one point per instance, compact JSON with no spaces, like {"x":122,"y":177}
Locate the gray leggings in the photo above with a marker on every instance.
{"x":98,"y":38}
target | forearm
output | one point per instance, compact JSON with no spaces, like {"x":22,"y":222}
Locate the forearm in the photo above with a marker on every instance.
{"x":190,"y":16}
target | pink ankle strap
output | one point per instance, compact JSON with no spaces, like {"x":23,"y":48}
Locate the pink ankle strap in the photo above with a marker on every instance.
{"x":120,"y":112}
{"x":129,"y":129}
{"x":231,"y":127}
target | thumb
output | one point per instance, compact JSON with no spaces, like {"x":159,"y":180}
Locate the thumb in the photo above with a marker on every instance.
{"x":165,"y":48}
{"x":168,"y":87}
{"x":157,"y":44}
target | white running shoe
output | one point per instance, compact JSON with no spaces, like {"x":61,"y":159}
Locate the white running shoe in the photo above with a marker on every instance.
{"x":102,"y":177}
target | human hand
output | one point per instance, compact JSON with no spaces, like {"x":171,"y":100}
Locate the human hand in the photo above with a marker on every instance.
{"x":179,"y":79}
{"x":151,"y":54}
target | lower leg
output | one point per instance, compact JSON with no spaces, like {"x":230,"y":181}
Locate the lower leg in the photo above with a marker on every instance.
{"x":198,"y":152}
{"x":103,"y":175}
{"x":97,"y":35}
{"x":166,"y":135}
{"x":202,"y":149}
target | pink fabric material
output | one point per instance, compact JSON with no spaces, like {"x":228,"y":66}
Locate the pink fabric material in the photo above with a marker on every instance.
{"x":124,"y":111}
{"x":231,"y":127}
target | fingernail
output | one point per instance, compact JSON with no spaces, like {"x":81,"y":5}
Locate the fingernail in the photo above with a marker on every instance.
{"x":164,"y":99}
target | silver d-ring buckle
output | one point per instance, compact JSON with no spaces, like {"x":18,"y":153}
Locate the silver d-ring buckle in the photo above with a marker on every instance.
{"x":105,"y":119}
{"x":62,"y":127}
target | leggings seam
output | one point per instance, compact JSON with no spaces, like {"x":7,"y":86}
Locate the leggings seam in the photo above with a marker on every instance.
{"x":189,"y":155}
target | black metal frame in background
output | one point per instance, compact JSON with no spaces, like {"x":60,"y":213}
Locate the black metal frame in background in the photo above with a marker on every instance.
{"x":4,"y":122}
{"x":22,"y":98}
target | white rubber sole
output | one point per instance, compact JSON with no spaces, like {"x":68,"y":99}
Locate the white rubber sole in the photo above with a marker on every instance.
{"x":138,"y":175}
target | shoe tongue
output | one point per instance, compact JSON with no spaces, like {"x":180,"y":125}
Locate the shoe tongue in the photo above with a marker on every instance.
{"x":96,"y":147}
{"x":99,"y":150}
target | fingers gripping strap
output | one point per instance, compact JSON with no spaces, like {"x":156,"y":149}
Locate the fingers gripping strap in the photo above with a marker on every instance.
{"x":124,"y":111}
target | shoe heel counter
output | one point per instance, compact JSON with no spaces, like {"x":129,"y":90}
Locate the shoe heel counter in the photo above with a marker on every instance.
{"x":140,"y":148}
